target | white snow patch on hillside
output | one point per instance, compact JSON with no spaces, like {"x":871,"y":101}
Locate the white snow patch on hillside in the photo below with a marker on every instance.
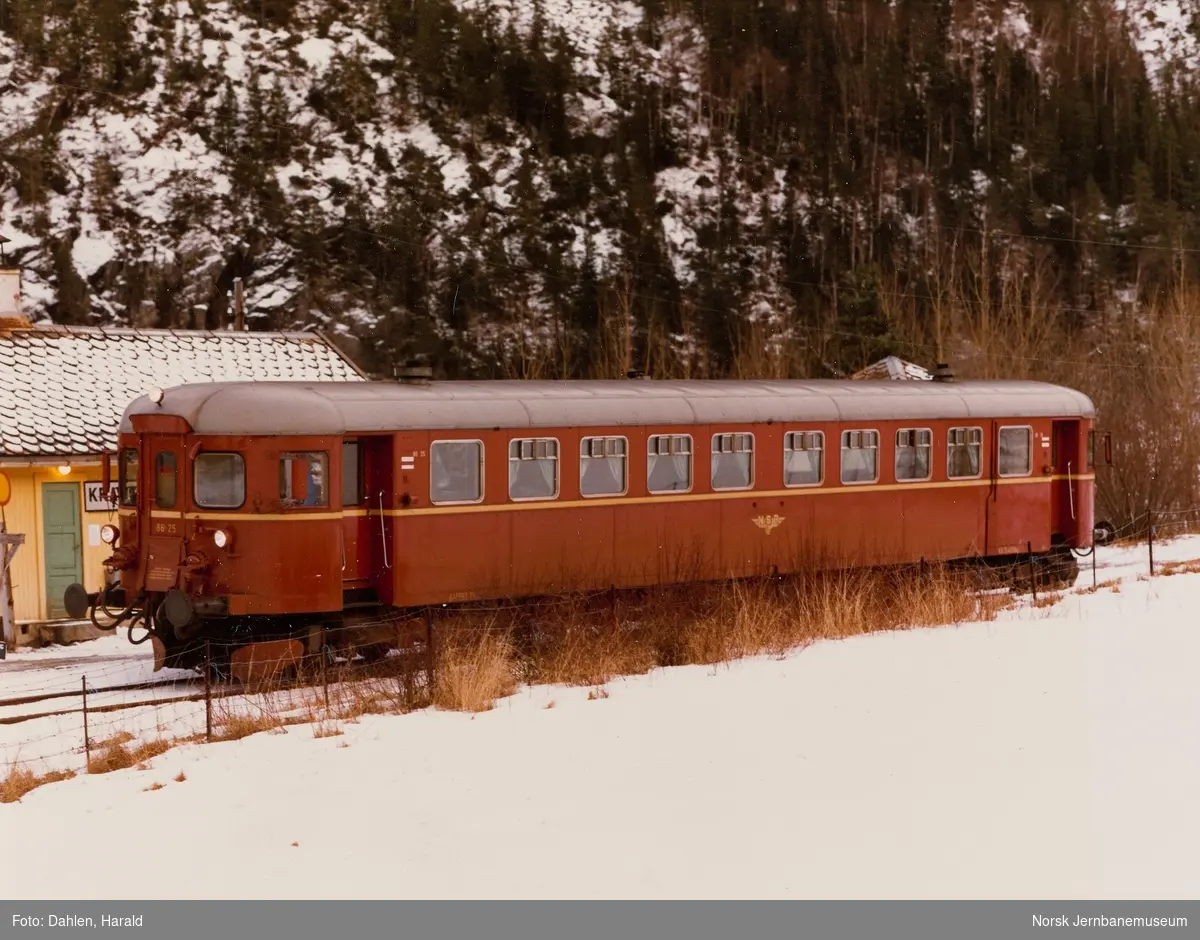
{"x":1163,"y":33}
{"x":1049,"y":754}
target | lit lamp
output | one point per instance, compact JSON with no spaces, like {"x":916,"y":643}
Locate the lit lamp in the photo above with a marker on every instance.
{"x":64,"y":470}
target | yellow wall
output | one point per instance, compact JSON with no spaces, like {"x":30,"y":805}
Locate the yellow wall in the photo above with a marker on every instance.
{"x":23,"y":514}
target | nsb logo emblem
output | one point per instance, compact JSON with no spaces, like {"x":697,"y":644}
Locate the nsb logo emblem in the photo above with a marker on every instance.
{"x":767,"y":523}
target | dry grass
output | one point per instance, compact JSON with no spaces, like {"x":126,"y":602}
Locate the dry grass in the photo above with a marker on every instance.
{"x":20,"y":780}
{"x":153,"y":787}
{"x":1178,"y":567}
{"x":473,"y":670}
{"x":590,"y":641}
{"x":115,"y":755}
{"x":180,"y":777}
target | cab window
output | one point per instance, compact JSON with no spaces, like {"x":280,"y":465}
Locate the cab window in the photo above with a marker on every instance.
{"x":219,"y":481}
{"x":303,"y":479}
{"x":164,"y":480}
{"x":128,"y":476}
{"x":352,"y":491}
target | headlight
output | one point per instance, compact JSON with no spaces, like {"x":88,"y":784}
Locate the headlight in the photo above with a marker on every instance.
{"x":222,"y":539}
{"x":108,"y":534}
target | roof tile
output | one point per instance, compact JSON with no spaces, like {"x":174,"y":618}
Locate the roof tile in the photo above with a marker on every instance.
{"x":65,"y":389}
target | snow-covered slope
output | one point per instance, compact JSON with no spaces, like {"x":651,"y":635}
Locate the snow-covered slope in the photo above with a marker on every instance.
{"x":1049,"y":754}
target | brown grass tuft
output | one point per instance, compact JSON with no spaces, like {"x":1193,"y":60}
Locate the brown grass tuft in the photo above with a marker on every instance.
{"x":238,"y":726}
{"x":599,"y":693}
{"x":116,"y":756}
{"x":19,"y":781}
{"x":473,"y":671}
{"x":152,"y":787}
{"x":180,"y":777}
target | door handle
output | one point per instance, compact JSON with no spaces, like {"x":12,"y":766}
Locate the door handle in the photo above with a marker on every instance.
{"x":1071,"y":490}
{"x":383,"y":531}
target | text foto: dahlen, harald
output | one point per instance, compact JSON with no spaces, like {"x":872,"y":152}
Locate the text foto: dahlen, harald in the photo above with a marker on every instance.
{"x":74,"y":920}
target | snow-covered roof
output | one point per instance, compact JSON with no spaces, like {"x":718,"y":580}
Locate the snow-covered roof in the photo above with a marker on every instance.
{"x":895,"y":368}
{"x":63,"y":390}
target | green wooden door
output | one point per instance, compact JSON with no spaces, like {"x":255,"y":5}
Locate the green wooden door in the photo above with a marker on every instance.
{"x":63,"y":539}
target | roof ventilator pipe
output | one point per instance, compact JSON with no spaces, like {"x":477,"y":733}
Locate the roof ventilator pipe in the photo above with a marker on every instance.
{"x":943,"y":373}
{"x":635,"y":374}
{"x":415,"y":372}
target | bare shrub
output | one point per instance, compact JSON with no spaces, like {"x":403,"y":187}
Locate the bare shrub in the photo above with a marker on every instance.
{"x":473,"y":670}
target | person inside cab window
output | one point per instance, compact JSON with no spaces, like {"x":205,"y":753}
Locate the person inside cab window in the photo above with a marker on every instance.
{"x":303,"y":480}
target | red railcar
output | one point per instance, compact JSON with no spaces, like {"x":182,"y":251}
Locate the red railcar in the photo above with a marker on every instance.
{"x":302,"y":514}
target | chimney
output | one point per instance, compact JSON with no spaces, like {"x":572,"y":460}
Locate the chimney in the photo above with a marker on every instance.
{"x":943,"y":373}
{"x":239,"y":305}
{"x":415,"y":372}
{"x":11,"y":317}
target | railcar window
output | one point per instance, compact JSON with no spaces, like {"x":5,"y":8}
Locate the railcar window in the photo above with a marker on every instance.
{"x":860,"y":456}
{"x":456,"y":472}
{"x":669,"y":463}
{"x":913,"y":449}
{"x":128,"y":476}
{"x":732,"y":461}
{"x":164,"y":480}
{"x":603,"y":466}
{"x":219,"y":481}
{"x":963,"y":449}
{"x":352,"y":490}
{"x":304,"y":479}
{"x":533,"y":468}
{"x":803,"y":453}
{"x":1015,"y":455}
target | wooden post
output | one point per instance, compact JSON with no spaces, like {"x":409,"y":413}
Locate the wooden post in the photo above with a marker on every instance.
{"x":325,"y":675}
{"x":429,"y":652}
{"x":1032,"y":575}
{"x":8,"y":549}
{"x":208,"y":690}
{"x":87,"y":744}
{"x":1150,"y":520}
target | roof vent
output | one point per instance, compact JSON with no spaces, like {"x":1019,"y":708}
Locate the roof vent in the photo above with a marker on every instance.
{"x":415,"y":372}
{"x":943,"y":373}
{"x":635,"y":374}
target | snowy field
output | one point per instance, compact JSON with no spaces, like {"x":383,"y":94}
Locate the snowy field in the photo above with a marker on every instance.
{"x":1051,"y":753}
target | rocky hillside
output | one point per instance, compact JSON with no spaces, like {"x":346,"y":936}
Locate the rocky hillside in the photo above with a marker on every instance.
{"x":574,"y":187}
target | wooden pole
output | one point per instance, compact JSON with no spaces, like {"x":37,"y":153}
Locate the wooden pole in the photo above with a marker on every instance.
{"x":8,"y":549}
{"x":1032,"y":576}
{"x":87,"y":744}
{"x":208,"y":690}
{"x":1150,"y":520}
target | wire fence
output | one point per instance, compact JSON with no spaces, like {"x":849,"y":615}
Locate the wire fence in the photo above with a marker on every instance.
{"x":111,"y":710}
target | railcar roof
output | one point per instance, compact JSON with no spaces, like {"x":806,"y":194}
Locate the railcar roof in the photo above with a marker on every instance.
{"x":332,"y":408}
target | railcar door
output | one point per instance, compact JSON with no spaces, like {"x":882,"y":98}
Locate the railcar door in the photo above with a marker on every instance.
{"x":375,"y":548}
{"x":1065,"y":502}
{"x":356,"y":570}
{"x":163,"y":501}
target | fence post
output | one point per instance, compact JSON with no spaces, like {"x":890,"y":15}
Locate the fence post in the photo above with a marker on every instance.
{"x":208,"y":690}
{"x":87,"y":744}
{"x":325,"y":675}
{"x":1150,"y":520}
{"x":429,"y":652}
{"x":1032,"y":576}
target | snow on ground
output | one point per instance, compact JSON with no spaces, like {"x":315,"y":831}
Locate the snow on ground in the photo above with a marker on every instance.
{"x":1051,"y":753}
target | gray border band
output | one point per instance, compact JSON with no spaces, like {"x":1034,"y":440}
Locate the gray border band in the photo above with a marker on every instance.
{"x":601,"y":920}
